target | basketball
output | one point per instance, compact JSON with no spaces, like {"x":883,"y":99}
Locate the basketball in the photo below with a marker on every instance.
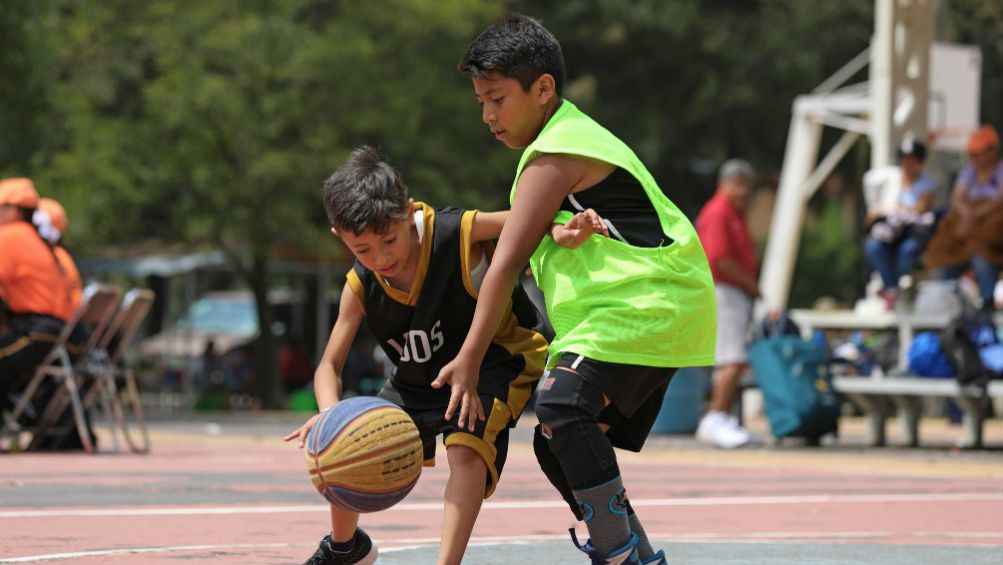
{"x":364,"y":454}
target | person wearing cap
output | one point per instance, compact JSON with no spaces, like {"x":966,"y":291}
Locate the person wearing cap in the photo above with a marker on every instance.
{"x":899,"y":201}
{"x":732,"y":256}
{"x":57,"y":218}
{"x":971,"y":234}
{"x":33,"y":286}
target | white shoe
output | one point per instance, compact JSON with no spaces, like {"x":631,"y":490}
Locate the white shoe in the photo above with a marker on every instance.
{"x":721,"y":430}
{"x":740,"y":430}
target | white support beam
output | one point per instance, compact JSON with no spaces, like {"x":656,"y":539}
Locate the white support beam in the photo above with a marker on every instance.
{"x":843,"y":122}
{"x":788,"y":213}
{"x":829,"y":163}
{"x":845,"y":73}
{"x":900,"y":61}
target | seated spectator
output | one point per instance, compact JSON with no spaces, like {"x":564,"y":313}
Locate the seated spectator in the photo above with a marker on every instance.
{"x":60,"y":221}
{"x":899,"y":202}
{"x":971,"y":234}
{"x":33,"y":285}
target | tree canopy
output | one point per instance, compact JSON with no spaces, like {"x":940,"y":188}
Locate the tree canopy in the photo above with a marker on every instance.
{"x":215,"y":123}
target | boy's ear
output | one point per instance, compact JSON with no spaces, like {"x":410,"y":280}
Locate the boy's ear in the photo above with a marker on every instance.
{"x":545,"y":87}
{"x":410,"y":211}
{"x":334,"y":230}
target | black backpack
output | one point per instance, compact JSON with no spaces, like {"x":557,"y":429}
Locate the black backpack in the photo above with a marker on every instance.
{"x":961,"y":341}
{"x":775,"y":325}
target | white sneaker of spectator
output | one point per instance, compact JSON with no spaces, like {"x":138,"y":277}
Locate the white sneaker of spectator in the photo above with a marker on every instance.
{"x":721,"y":430}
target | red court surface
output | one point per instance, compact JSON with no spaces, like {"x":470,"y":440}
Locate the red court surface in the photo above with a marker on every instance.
{"x":232,"y":492}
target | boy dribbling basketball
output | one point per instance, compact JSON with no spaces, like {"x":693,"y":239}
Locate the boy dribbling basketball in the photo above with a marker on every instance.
{"x":415,"y":281}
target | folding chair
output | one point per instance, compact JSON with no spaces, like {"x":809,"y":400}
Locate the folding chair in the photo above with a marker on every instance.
{"x":97,"y":306}
{"x":115,"y":368}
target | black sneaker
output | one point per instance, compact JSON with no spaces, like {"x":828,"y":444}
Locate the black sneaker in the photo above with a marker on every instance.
{"x":362,"y":553}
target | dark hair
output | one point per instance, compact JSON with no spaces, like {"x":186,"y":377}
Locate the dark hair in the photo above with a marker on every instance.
{"x":912,"y":148}
{"x":518,"y":47}
{"x":25,"y":214}
{"x":365,"y":193}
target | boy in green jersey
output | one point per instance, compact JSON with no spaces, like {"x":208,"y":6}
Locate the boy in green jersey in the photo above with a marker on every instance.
{"x":627,"y":309}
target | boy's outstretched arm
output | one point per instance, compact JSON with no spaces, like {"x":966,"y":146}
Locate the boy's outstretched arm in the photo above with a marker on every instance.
{"x":327,"y":377}
{"x":542,"y":186}
{"x":488,"y":225}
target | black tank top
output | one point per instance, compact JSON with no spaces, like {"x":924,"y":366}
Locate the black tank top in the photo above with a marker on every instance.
{"x":626,"y":208}
{"x":420,"y":337}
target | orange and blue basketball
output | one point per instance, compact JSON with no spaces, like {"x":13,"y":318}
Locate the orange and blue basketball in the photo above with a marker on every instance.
{"x":364,"y":454}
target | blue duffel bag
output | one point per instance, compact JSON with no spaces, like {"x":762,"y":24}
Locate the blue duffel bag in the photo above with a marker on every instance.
{"x":794,"y":377}
{"x":926,"y":357}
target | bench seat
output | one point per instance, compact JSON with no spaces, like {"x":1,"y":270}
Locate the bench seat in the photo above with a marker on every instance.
{"x":877,"y":396}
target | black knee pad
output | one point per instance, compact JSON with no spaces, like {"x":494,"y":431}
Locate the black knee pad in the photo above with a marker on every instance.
{"x":568,"y":401}
{"x":551,"y":467}
{"x":568,"y":411}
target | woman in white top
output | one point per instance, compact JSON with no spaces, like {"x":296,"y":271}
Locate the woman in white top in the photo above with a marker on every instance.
{"x":899,"y":198}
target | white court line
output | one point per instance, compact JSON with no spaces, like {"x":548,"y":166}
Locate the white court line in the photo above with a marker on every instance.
{"x":481,"y":541}
{"x":959,"y":535}
{"x":523,"y":504}
{"x":139,"y":550}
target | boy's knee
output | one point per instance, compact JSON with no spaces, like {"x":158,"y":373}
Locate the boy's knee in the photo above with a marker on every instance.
{"x":556,"y":418}
{"x":541,"y":437}
{"x":569,"y":402}
{"x":463,"y":456}
{"x":565,"y":424}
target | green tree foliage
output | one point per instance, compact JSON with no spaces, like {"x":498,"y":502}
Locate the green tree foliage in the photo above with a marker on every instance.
{"x":216,"y":123}
{"x":691,"y":83}
{"x":25,"y":60}
{"x":830,"y":257}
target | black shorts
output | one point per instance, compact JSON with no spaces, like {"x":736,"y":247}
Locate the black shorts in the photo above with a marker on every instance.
{"x":635,"y":393}
{"x":490,"y":436}
{"x":24,"y":347}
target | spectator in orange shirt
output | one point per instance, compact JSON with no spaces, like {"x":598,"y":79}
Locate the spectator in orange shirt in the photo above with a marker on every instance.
{"x":33,"y":285}
{"x":58,"y":219}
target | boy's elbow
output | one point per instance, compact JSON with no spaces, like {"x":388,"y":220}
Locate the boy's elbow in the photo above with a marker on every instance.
{"x":326,"y":372}
{"x":509,"y":268}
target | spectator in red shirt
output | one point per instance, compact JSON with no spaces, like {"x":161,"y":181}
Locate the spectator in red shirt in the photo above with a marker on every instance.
{"x":732,"y":257}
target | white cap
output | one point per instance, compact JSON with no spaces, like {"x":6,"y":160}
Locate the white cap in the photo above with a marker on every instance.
{"x":736,"y":168}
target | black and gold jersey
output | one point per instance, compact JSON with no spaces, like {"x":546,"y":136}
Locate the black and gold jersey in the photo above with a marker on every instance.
{"x":423,"y":329}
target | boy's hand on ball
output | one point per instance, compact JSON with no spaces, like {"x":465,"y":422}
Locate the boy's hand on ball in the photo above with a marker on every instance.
{"x":463,"y":392}
{"x":303,"y":431}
